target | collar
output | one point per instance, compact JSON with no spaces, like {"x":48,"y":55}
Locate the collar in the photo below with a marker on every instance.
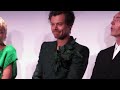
{"x":116,"y":46}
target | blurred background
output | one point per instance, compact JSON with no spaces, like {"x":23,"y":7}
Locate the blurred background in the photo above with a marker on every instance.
{"x":27,"y":30}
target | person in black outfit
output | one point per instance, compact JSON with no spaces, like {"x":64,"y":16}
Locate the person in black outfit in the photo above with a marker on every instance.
{"x":108,"y":60}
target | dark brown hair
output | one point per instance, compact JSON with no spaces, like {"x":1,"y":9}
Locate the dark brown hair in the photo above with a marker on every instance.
{"x":69,"y":16}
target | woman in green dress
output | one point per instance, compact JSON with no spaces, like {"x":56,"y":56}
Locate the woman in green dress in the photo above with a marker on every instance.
{"x":8,"y":57}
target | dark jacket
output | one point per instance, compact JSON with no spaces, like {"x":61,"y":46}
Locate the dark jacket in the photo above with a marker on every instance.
{"x":105,"y":67}
{"x":69,"y":63}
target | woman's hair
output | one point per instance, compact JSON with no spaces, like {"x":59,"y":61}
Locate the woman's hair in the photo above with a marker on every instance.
{"x":3,"y":24}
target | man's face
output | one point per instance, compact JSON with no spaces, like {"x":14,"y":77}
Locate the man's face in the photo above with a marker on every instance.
{"x":115,"y":28}
{"x":59,"y":27}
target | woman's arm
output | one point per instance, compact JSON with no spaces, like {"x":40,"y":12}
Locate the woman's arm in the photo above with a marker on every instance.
{"x":7,"y":72}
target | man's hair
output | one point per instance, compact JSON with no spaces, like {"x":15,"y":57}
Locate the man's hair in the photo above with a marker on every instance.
{"x":69,"y":16}
{"x":2,"y":24}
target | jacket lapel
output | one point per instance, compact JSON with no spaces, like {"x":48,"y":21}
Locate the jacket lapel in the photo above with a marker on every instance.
{"x":111,"y":50}
{"x":117,"y":57}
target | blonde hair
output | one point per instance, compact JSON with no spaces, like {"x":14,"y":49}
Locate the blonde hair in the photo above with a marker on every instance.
{"x":3,"y":25}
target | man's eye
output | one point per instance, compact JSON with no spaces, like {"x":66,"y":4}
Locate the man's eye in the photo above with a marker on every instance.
{"x":60,"y":24}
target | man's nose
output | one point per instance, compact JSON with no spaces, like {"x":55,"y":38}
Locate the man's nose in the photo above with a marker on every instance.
{"x":55,"y":27}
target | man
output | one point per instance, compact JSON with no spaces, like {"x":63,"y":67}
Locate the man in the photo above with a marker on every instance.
{"x":64,"y":58}
{"x":108,"y":61}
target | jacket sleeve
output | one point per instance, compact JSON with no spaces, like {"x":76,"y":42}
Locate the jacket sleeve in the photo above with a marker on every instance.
{"x":79,"y":65}
{"x":38,"y":71}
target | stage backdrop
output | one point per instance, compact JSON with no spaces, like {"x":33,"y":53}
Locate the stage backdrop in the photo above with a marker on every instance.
{"x":27,"y":30}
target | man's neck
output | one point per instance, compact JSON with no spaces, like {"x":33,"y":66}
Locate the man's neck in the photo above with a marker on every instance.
{"x":118,"y":40}
{"x":62,"y":42}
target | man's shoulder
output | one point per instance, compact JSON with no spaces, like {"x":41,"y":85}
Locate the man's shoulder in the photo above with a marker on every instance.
{"x":107,"y":49}
{"x":49,"y":44}
{"x":80,"y":46}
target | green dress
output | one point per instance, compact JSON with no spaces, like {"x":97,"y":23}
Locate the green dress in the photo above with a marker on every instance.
{"x":8,"y":56}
